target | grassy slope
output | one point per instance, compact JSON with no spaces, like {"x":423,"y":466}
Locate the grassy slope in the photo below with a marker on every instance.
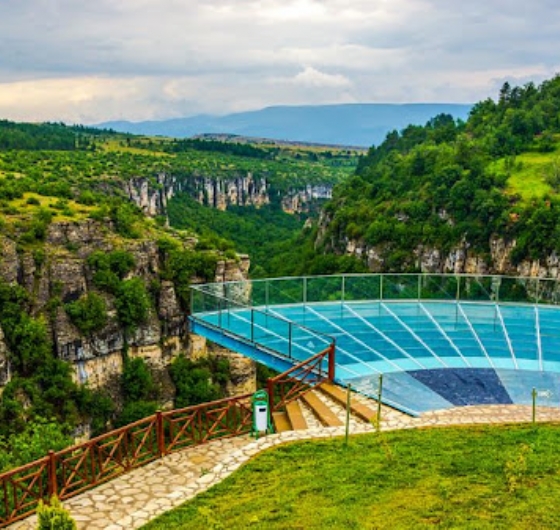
{"x":530,"y":173}
{"x":476,"y":477}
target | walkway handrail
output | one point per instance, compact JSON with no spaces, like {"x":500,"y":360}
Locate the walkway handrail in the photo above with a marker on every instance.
{"x":76,"y":469}
{"x":73,"y":470}
{"x":301,"y":378}
{"x":497,"y":288}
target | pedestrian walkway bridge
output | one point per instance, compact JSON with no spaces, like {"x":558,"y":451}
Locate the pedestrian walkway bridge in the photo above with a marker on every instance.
{"x":438,"y":340}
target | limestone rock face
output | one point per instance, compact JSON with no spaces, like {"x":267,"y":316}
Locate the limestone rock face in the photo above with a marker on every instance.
{"x":4,"y":362}
{"x":10,"y":264}
{"x":63,"y":274}
{"x":298,"y":200}
{"x":152,"y":196}
{"x":243,"y":371}
{"x":459,"y":260}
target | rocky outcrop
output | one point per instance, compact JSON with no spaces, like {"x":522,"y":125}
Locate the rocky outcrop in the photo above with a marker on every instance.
{"x":153,"y":195}
{"x":299,"y":200}
{"x":62,"y":275}
{"x":243,"y":371}
{"x":461,"y":259}
{"x":5,"y":374}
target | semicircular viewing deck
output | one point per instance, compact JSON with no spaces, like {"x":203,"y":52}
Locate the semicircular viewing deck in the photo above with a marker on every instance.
{"x":439,"y":341}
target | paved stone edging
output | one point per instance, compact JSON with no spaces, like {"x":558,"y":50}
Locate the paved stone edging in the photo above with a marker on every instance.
{"x":131,"y":500}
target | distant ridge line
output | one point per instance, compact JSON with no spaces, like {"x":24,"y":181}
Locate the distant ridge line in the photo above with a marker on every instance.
{"x":351,"y":124}
{"x":235,"y":138}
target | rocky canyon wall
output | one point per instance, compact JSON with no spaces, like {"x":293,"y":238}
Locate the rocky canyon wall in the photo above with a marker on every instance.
{"x":63,"y":276}
{"x":152,"y":196}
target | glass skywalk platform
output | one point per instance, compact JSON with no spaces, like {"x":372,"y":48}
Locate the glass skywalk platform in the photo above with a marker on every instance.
{"x":439,"y":341}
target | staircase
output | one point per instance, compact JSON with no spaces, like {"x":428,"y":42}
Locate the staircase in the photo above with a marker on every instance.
{"x":325,"y":405}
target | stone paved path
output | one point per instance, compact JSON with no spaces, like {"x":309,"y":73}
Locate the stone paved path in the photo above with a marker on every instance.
{"x":131,"y":500}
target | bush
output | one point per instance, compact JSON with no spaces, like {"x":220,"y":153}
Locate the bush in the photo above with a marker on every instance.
{"x":198,"y":382}
{"x":135,"y":411}
{"x":88,"y":314}
{"x":137,"y":381}
{"x":54,"y":516}
{"x":132,"y":303}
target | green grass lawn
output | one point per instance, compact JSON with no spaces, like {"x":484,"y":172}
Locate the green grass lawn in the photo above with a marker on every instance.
{"x":531,"y":173}
{"x":476,"y":477}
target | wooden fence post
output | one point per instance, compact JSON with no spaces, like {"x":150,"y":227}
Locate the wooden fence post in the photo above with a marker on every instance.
{"x":331,"y":362}
{"x":270,"y":390}
{"x":52,"y":482}
{"x":160,"y":434}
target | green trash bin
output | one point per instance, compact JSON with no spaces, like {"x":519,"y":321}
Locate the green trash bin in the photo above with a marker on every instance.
{"x":261,"y":414}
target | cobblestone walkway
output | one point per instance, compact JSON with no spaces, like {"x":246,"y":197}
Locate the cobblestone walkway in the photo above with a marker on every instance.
{"x":133,"y":499}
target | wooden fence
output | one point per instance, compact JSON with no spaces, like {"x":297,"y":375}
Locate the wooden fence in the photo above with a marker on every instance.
{"x":79,"y":468}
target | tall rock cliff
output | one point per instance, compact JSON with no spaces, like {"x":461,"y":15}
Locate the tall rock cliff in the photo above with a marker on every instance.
{"x":462,"y":259}
{"x":152,"y":195}
{"x":61,"y":274}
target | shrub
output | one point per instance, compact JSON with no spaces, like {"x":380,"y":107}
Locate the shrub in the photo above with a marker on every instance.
{"x":132,"y":303}
{"x":137,"y":381}
{"x":54,"y":516}
{"x":88,"y":314}
{"x":198,"y":382}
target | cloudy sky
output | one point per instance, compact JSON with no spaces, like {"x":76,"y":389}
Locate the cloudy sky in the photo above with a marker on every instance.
{"x":92,"y":61}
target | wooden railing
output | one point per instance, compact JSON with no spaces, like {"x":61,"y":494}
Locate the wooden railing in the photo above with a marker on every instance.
{"x":79,"y":468}
{"x":301,"y":378}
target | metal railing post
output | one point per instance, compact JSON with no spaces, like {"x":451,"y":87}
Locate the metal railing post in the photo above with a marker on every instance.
{"x":160,"y":434}
{"x":270,"y":390}
{"x":331,"y":358}
{"x":53,"y":486}
{"x":252,"y":325}
{"x":343,"y":289}
{"x":266,"y":293}
{"x":290,"y":340}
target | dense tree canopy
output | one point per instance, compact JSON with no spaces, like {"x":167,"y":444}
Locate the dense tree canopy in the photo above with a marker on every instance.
{"x":449,"y":182}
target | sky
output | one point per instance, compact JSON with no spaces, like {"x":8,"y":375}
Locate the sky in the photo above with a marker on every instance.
{"x":88,"y":62}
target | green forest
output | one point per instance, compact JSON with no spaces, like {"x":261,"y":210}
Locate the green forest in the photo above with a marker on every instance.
{"x":56,"y":174}
{"x":449,"y":182}
{"x":440,"y":185}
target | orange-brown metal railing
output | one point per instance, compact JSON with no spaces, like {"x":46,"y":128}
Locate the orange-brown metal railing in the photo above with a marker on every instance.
{"x":76,"y":469}
{"x":301,"y":378}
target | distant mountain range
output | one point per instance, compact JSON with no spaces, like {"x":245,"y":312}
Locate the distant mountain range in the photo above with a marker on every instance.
{"x":351,"y":124}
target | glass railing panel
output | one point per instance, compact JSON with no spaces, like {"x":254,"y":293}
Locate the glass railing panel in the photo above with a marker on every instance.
{"x":400,"y":287}
{"x":259,"y":293}
{"x":548,"y":291}
{"x":362,"y":287}
{"x":238,"y":292}
{"x":323,"y":288}
{"x":438,"y":287}
{"x":520,"y":290}
{"x":283,"y":291}
{"x":477,"y":288}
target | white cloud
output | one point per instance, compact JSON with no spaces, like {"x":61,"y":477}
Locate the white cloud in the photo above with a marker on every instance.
{"x":146,"y":59}
{"x":315,"y":78}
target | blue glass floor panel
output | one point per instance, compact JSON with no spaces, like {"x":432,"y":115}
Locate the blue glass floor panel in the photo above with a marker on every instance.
{"x":433,"y":354}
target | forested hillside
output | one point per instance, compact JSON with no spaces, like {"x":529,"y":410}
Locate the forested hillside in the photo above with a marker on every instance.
{"x":94,"y":284}
{"x":427,"y":191}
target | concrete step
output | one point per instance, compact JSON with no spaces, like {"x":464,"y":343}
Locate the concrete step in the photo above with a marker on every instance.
{"x":339,"y":395}
{"x":325,"y":415}
{"x":281,"y":422}
{"x":295,"y":416}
